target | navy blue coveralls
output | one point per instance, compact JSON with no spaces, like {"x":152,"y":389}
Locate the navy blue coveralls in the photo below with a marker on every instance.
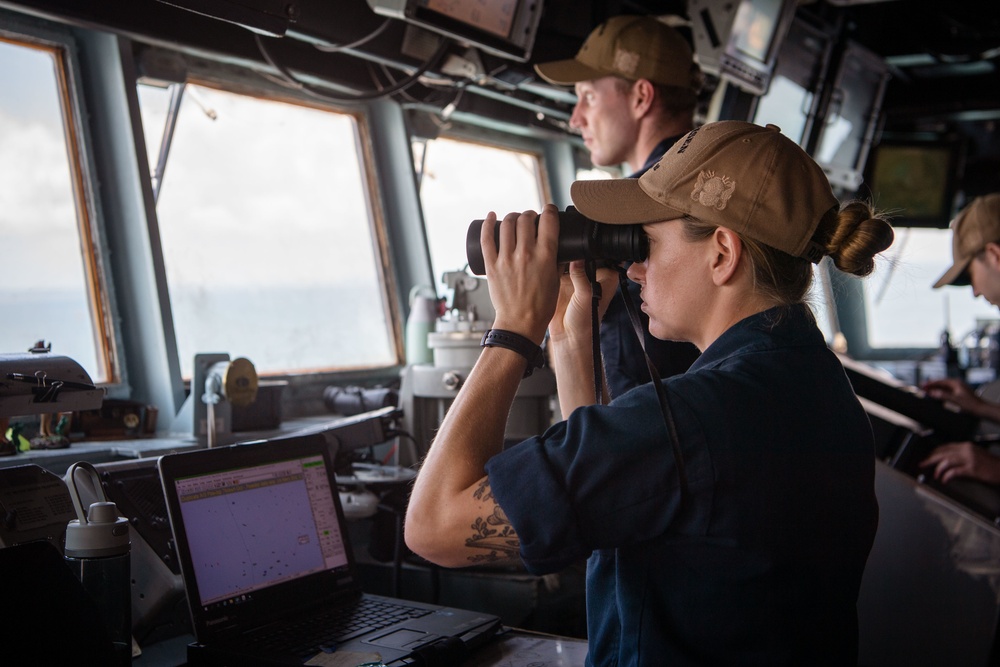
{"x":762,"y":565}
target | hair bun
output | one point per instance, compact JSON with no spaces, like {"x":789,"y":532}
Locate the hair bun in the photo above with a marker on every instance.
{"x":861,"y":234}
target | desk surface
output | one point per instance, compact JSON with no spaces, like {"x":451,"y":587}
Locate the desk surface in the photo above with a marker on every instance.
{"x":519,"y":648}
{"x":515,"y":648}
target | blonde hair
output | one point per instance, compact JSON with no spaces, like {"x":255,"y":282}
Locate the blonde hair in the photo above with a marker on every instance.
{"x":851,"y":236}
{"x":854,"y":237}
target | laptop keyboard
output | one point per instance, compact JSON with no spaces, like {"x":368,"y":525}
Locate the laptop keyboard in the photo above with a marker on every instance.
{"x":308,"y":636}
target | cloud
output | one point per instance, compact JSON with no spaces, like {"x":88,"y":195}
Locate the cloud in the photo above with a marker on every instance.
{"x":265,"y":185}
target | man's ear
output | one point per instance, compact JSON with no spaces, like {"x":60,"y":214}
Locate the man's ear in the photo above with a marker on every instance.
{"x":643,"y":94}
{"x":727,"y":249}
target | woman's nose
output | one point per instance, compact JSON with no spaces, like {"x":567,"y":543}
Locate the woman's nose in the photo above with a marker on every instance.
{"x":636,"y":272}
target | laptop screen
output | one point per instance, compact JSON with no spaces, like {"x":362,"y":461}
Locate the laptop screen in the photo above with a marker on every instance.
{"x":253,"y":527}
{"x":258,"y":530}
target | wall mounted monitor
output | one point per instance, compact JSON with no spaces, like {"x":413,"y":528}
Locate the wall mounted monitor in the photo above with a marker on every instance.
{"x":711,"y":23}
{"x":914,"y":180}
{"x":754,"y":41}
{"x":791,"y":101}
{"x":852,"y":116}
{"x":503,"y":27}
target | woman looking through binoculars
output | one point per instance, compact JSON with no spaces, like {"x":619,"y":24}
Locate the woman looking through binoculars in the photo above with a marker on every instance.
{"x":727,"y":512}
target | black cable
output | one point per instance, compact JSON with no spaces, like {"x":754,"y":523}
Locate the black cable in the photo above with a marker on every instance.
{"x":397,"y":557}
{"x":654,"y":376}
{"x":334,"y":48}
{"x":324,"y":94}
{"x":595,"y":328}
{"x":433,"y":97}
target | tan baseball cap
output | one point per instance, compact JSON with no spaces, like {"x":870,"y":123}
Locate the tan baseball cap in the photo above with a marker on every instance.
{"x":977,"y":225}
{"x":751,"y":179}
{"x":633,"y":47}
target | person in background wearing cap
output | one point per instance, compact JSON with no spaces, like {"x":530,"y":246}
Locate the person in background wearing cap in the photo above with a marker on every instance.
{"x":976,"y":254}
{"x":637,"y":87}
{"x":730,"y":523}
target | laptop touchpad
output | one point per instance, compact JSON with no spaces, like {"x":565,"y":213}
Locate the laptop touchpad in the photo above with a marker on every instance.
{"x":401,"y":639}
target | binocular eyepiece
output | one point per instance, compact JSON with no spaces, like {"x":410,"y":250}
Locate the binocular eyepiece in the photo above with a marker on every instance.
{"x":579,"y":238}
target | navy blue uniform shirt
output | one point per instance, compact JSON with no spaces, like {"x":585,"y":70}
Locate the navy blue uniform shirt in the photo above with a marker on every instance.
{"x":764,"y":563}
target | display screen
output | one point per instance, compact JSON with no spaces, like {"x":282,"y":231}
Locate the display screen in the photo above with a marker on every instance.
{"x":252,"y":527}
{"x":492,"y":16}
{"x":755,"y":25}
{"x":505,"y":28}
{"x":913,"y":181}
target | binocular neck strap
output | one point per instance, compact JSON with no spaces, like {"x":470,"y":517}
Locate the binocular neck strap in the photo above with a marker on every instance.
{"x":590,"y":267}
{"x":654,"y":376}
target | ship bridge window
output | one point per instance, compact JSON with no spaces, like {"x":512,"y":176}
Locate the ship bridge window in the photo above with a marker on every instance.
{"x":269,"y":243}
{"x":595,"y":174}
{"x":51,"y":289}
{"x":822,"y":302}
{"x":462,"y":181}
{"x":902,"y":309}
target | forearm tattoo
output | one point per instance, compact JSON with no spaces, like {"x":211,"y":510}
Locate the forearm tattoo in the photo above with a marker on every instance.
{"x":492,"y":533}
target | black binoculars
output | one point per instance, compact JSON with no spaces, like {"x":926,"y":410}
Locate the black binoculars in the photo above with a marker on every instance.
{"x":579,"y":238}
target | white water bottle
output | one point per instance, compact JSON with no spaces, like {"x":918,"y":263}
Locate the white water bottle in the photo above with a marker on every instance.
{"x":419,"y":324}
{"x":98,"y":551}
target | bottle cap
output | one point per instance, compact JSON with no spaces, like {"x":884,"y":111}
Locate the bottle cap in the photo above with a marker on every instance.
{"x":102,"y":534}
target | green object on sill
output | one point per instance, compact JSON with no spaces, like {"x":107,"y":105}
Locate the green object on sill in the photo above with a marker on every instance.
{"x":14,"y":435}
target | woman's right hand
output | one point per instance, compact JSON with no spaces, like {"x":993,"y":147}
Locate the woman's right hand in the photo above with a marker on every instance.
{"x":571,"y":341}
{"x":572,"y":323}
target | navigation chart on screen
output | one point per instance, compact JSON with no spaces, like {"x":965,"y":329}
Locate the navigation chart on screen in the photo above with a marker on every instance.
{"x":249,"y":529}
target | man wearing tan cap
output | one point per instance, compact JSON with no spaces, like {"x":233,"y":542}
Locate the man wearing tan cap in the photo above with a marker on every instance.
{"x":975,"y":249}
{"x":727,"y":512}
{"x":637,"y":87}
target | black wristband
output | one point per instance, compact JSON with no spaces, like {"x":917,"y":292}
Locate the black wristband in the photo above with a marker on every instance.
{"x":517,"y":343}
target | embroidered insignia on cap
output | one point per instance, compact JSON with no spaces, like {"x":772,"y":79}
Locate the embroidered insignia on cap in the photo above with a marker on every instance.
{"x":687,"y":141}
{"x":626,"y":61}
{"x":713,"y":191}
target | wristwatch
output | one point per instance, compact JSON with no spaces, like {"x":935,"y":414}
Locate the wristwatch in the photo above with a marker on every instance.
{"x":517,"y":343}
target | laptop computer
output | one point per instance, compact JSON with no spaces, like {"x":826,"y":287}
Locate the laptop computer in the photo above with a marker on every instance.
{"x":262,"y":543}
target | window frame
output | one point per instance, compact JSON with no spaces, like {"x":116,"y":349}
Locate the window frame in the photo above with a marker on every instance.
{"x":61,"y":43}
{"x":245,"y":81}
{"x":498,"y":140}
{"x":492,"y":139}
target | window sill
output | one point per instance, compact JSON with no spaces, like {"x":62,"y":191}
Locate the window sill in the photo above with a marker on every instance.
{"x":106,"y":451}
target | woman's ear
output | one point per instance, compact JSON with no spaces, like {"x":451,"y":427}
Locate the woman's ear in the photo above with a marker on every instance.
{"x":727,"y":249}
{"x":992,"y":255}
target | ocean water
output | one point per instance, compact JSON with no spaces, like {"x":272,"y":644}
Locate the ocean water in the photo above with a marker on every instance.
{"x":277,"y":329}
